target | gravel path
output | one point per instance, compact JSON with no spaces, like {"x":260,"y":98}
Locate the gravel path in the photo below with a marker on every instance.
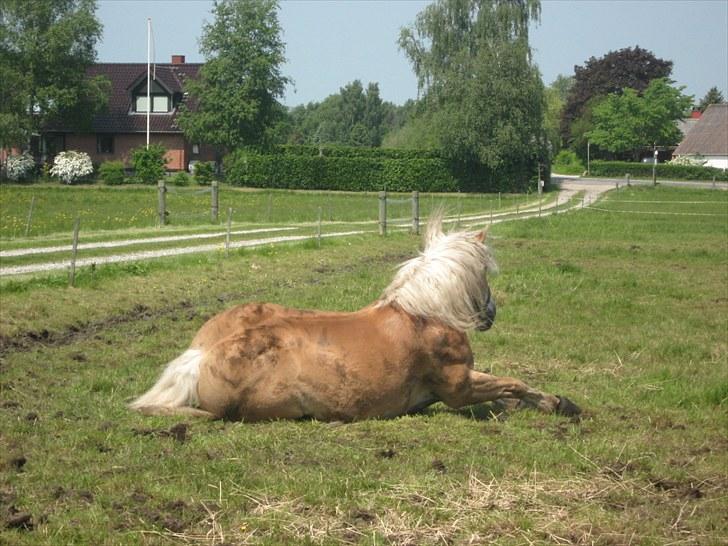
{"x":568,"y":188}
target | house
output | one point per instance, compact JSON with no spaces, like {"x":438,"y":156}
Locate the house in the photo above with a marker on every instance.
{"x":685,"y":125}
{"x":122,"y":126}
{"x":708,"y":139}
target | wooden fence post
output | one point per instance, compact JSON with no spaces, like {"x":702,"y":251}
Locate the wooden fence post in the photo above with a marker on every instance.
{"x":32,"y":204}
{"x":215,"y":202}
{"x":227,"y":234}
{"x":318,"y":229}
{"x":161,"y":202}
{"x":416,"y":212}
{"x":382,"y":213}
{"x":628,"y":182}
{"x":74,"y":252}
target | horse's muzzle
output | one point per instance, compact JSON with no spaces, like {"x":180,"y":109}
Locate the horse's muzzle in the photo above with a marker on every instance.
{"x":487,"y":315}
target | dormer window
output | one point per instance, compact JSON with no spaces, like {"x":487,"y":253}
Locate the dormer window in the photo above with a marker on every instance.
{"x":161,"y":100}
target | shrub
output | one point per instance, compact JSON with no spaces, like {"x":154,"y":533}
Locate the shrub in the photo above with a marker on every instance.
{"x":72,"y":166}
{"x":19,"y":167}
{"x":180,"y":178}
{"x":204,"y":172}
{"x":112,"y":173}
{"x":149,"y":163}
{"x":309,"y":171}
{"x":689,"y":160}
{"x":666,"y":171}
{"x":567,"y":162}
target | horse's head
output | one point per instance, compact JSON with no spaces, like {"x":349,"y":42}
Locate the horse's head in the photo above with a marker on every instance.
{"x":448,"y":279}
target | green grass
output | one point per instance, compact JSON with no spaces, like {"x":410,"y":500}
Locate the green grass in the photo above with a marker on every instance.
{"x":626,"y":314}
{"x":118,"y":208}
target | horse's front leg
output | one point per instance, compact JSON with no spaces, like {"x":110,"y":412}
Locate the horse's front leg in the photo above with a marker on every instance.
{"x":459,"y":385}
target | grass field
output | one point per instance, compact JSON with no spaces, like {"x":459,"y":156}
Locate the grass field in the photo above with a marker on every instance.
{"x":117,"y":208}
{"x":624,"y":310}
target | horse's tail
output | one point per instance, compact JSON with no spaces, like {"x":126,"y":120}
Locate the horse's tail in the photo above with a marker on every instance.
{"x":175,"y":391}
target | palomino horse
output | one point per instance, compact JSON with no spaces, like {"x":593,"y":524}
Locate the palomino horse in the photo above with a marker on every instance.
{"x":405,"y":351}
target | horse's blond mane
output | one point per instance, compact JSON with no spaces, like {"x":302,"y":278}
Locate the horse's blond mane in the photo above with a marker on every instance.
{"x":447,"y":280}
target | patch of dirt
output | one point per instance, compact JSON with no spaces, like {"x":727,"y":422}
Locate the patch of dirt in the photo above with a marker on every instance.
{"x":178,"y":432}
{"x":175,"y":515}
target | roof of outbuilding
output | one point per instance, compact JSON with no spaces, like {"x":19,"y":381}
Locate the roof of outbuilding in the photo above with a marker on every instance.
{"x":118,"y":116}
{"x":709,"y":136}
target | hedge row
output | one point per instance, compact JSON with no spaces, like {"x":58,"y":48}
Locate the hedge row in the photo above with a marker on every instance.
{"x":248,"y":168}
{"x":370,"y":169}
{"x":329,"y":150}
{"x":617,"y":169}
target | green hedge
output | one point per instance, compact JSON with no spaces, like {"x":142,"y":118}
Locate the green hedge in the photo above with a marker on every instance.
{"x":314,"y":172}
{"x":617,"y":169}
{"x":354,"y":151}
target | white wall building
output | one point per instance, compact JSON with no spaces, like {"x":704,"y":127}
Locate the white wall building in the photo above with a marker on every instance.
{"x":708,"y":139}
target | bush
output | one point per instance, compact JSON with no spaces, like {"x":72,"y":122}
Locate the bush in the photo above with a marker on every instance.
{"x":19,"y":167}
{"x":72,"y":166}
{"x":180,"y":178}
{"x":204,"y":172}
{"x":149,"y":163}
{"x":309,"y":171}
{"x":666,"y":171}
{"x":567,"y":162}
{"x":111,"y":173}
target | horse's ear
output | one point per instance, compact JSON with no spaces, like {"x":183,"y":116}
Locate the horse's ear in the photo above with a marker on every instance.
{"x":481,"y":235}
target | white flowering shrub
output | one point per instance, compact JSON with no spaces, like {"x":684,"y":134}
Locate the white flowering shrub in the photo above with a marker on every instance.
{"x":19,"y":167}
{"x":72,"y":166}
{"x":689,"y":160}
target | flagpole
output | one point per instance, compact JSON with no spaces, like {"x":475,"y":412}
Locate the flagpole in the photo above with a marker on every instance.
{"x":149,"y":83}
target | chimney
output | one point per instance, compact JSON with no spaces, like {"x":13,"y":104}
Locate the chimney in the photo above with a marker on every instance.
{"x":178,"y":59}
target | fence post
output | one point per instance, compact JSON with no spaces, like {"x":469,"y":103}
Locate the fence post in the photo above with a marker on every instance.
{"x":318,"y":229}
{"x":74,"y":252}
{"x":416,"y":212}
{"x":215,"y":202}
{"x":382,"y":213}
{"x":32,"y":204}
{"x":227,"y":234}
{"x":627,"y":177}
{"x":161,"y":202}
{"x":713,"y":188}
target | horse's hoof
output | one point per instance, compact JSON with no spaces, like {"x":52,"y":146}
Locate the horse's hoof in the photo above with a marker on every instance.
{"x":567,"y":407}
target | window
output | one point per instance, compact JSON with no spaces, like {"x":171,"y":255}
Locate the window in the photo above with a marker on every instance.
{"x":160,"y":104}
{"x":105,"y":144}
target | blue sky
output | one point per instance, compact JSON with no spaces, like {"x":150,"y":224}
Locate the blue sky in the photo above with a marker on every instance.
{"x":332,"y":42}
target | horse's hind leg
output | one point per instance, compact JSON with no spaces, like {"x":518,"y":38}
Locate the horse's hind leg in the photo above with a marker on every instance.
{"x":462,"y":386}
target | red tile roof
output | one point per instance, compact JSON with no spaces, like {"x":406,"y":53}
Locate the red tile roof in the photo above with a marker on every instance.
{"x":119,"y":116}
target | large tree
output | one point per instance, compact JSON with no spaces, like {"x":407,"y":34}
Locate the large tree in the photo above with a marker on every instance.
{"x":626,"y":123}
{"x":238,"y":87}
{"x":354,"y":116}
{"x":629,"y":68}
{"x":481,"y":93}
{"x":45,"y":50}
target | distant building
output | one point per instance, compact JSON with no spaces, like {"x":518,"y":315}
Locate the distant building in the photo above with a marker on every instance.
{"x":685,"y":125}
{"x":708,"y":139}
{"x":122,"y":126}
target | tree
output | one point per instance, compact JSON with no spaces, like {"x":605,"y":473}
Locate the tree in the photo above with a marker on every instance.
{"x":713,"y":96}
{"x":556,"y":95}
{"x":45,"y":50}
{"x":629,"y":122}
{"x":632,"y":68}
{"x":353,"y":116}
{"x":480,"y":90}
{"x":238,"y":87}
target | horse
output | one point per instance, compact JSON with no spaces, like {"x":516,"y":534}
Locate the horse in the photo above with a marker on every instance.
{"x":398,"y":355}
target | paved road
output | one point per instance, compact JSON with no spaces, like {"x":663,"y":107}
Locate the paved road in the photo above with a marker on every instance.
{"x":585,"y":183}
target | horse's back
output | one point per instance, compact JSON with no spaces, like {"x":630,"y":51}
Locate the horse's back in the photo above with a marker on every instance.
{"x":284,"y":363}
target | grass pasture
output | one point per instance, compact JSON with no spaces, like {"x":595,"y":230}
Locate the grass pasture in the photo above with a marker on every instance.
{"x":103,"y":208}
{"x":622,"y":307}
